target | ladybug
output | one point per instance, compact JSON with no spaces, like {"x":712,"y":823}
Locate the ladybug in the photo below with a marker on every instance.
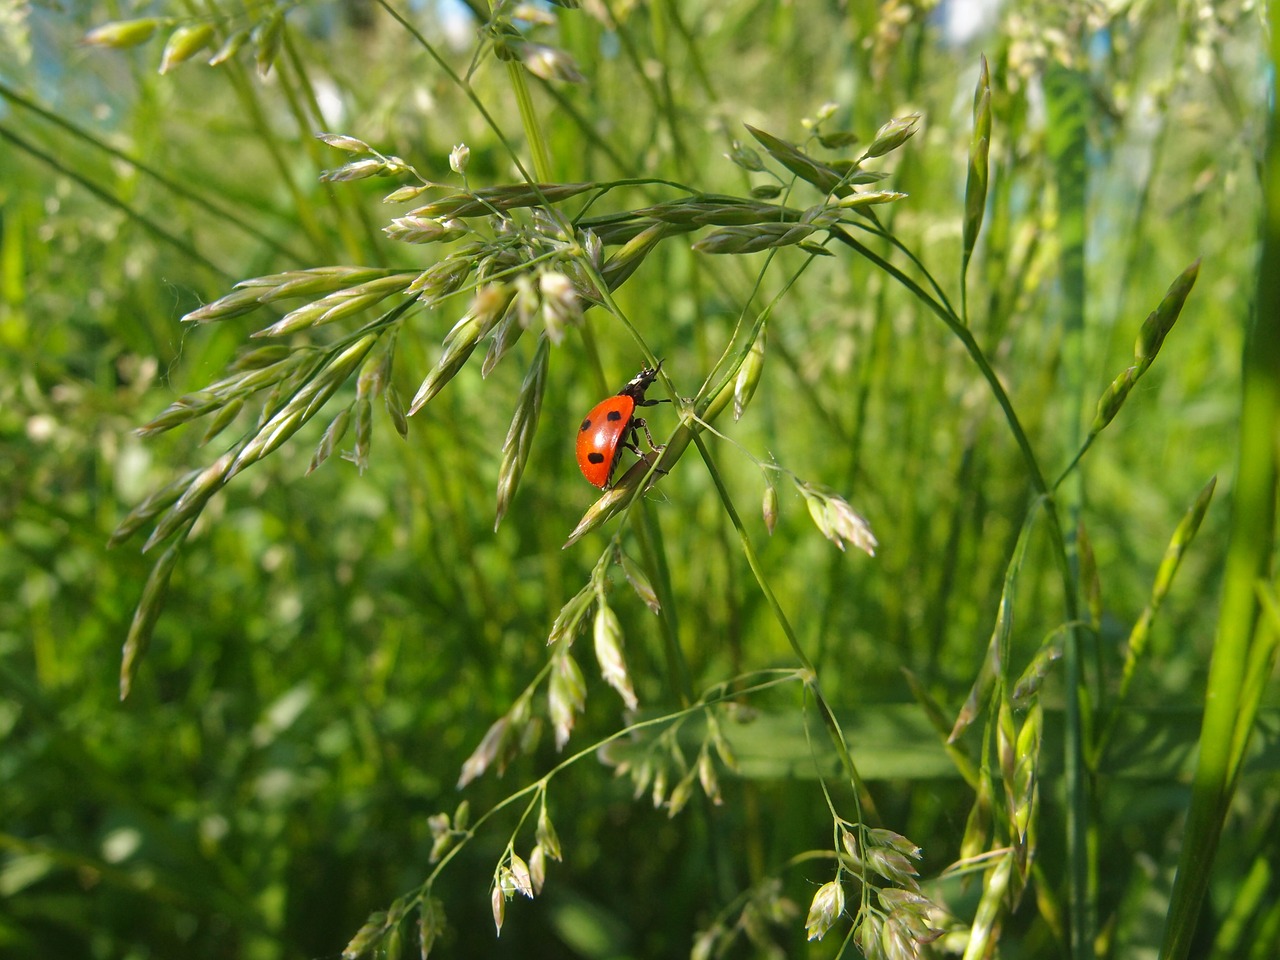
{"x":611,"y":427}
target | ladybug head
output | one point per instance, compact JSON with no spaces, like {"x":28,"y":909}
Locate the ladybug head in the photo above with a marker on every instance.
{"x":638,"y":384}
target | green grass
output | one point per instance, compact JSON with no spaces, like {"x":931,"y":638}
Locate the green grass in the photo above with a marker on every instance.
{"x":325,"y":625}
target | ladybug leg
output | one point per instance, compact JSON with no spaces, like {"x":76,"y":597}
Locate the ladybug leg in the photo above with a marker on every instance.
{"x":639,"y":424}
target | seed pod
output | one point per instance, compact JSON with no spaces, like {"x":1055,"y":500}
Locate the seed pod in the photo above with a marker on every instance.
{"x":639,"y":582}
{"x":1161,"y":321}
{"x":268,"y":36}
{"x":520,"y":876}
{"x":121,"y":34}
{"x":827,"y":905}
{"x":566,"y":695}
{"x":770,"y":507}
{"x":183,"y":44}
{"x":537,"y":869}
{"x":367,"y":937}
{"x":613,"y":665}
{"x":230,"y":47}
{"x":892,"y":135}
{"x":546,"y":836}
{"x":459,"y":157}
{"x":498,"y":902}
{"x":431,"y":924}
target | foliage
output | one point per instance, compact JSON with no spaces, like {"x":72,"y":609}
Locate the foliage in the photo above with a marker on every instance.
{"x":239,"y":240}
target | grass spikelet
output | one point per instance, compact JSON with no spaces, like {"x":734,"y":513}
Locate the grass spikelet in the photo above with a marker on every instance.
{"x":892,"y":135}
{"x":837,"y":521}
{"x":519,"y":441}
{"x":150,"y":508}
{"x":431,"y":924}
{"x":223,"y":419}
{"x":145,"y":616}
{"x":122,"y":34}
{"x":332,"y":436}
{"x":754,"y":238}
{"x":268,"y":37}
{"x":607,"y":634}
{"x":370,"y":934}
{"x":566,"y":694}
{"x":234,"y":304}
{"x":975,"y":189}
{"x":305,"y":403}
{"x":1161,"y":320}
{"x":815,"y":172}
{"x":205,"y":484}
{"x":230,"y":47}
{"x":639,"y":582}
{"x":184,"y":43}
{"x":744,"y":385}
{"x":824,"y":910}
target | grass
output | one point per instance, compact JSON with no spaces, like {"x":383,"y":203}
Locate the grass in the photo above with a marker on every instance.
{"x":360,"y":708}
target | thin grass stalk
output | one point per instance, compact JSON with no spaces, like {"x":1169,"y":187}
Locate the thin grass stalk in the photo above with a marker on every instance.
{"x":649,"y":538}
{"x":179,"y":188}
{"x":1224,"y":735}
{"x":529,"y":119}
{"x":151,"y":226}
{"x":669,"y":109}
{"x":567,"y":108}
{"x":637,"y":61}
{"x":1067,"y":96}
{"x":461,"y":84}
{"x":861,"y":794}
{"x":345,"y":201}
{"x":971,"y":347}
{"x":265,"y":134}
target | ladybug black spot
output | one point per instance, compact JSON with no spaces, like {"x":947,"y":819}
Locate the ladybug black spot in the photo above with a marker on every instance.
{"x":586,"y":425}
{"x":595,"y":457}
{"x":614,"y":416}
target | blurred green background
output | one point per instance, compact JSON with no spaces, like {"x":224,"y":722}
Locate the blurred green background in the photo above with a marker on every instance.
{"x":334,"y":646}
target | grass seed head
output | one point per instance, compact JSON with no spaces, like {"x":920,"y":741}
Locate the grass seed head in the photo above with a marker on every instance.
{"x":184,"y":43}
{"x":498,"y":902}
{"x":566,"y":695}
{"x":230,"y":47}
{"x":827,"y":905}
{"x":459,"y":157}
{"x":537,"y":869}
{"x":547,"y":838}
{"x":121,"y":34}
{"x":607,"y":634}
{"x":892,"y":135}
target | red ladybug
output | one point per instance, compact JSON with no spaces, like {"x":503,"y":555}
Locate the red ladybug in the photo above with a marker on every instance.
{"x":611,"y":427}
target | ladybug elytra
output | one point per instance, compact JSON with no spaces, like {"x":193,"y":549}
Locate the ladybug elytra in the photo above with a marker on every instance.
{"x":611,"y":427}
